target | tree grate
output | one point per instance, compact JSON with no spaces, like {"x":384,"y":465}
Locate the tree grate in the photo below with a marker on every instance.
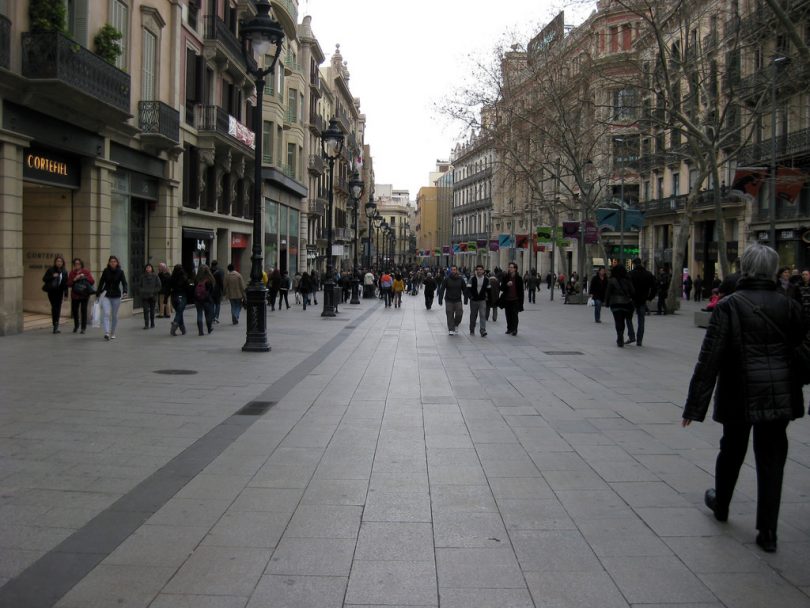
{"x":176,"y":372}
{"x":563,"y":352}
{"x":255,"y":408}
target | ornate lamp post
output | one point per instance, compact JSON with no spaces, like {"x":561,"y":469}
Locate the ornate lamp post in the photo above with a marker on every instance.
{"x":331,"y":147}
{"x":377,"y":221}
{"x":356,"y":190}
{"x":371,"y":207}
{"x":384,"y":229}
{"x":262,"y":37}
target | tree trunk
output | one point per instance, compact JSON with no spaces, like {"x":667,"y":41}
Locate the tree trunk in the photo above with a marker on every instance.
{"x":681,"y":237}
{"x":720,"y":221}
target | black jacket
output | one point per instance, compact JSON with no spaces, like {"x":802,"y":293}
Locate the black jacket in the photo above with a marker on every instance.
{"x":619,"y":293}
{"x":663,"y":280}
{"x":454,"y":288}
{"x":473,"y":290}
{"x":748,"y":359}
{"x":644,"y":285}
{"x":505,"y":290}
{"x":47,"y":281}
{"x":114,"y":282}
{"x":598,"y":287}
{"x":430,"y":286}
{"x":729,"y":284}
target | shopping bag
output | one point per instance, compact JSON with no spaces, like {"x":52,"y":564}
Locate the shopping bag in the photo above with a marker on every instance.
{"x":591,"y":302}
{"x":95,"y":317}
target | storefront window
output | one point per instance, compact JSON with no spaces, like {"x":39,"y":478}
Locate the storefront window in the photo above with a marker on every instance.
{"x":119,"y":222}
{"x":271,"y":235}
{"x":293,"y":240}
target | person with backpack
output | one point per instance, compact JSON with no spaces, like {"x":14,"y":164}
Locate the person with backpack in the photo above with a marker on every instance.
{"x":203,"y":299}
{"x":386,"y":288}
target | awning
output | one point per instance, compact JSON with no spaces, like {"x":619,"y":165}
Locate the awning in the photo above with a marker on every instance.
{"x":198,"y":233}
{"x":610,"y":219}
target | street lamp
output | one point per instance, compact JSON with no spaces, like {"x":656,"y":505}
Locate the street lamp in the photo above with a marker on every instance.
{"x":621,"y":141}
{"x":588,"y":170}
{"x":331,"y":148}
{"x":371,"y":207}
{"x":262,"y":37}
{"x":777,"y":61}
{"x":377,"y":221}
{"x":356,"y":190}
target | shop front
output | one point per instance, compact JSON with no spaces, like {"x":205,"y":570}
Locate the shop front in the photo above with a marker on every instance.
{"x":197,"y":248}
{"x":281,"y":240}
{"x":239,"y":250}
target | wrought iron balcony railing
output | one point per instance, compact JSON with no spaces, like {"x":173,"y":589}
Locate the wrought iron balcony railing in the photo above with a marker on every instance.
{"x":158,"y":118}
{"x":217,"y":29}
{"x":54,"y":56}
{"x":795,"y":143}
{"x":5,"y":42}
{"x":214,"y":118}
{"x":316,"y":164}
{"x":316,"y":123}
{"x":316,"y":206}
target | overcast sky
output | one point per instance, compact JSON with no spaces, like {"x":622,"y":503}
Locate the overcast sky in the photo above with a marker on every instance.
{"x":404,"y":57}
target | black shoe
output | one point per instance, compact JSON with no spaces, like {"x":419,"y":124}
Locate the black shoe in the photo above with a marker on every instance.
{"x":75,"y":329}
{"x":483,"y":334}
{"x":638,"y":343}
{"x":508,"y":331}
{"x":514,"y":333}
{"x":630,"y":340}
{"x":766,"y":539}
{"x":597,"y":321}
{"x":173,"y":330}
{"x":620,"y":343}
{"x":710,"y":500}
{"x":152,"y":325}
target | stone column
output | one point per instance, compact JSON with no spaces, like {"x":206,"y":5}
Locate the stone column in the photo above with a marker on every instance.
{"x":11,"y":232}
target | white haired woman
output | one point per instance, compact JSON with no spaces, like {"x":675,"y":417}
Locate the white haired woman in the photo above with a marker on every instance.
{"x":748,"y":352}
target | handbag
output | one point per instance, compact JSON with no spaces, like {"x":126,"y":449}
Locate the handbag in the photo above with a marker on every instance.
{"x":95,"y":316}
{"x":83,"y":288}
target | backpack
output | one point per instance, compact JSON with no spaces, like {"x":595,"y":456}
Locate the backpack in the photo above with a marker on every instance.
{"x":200,"y":292}
{"x":387,"y":283}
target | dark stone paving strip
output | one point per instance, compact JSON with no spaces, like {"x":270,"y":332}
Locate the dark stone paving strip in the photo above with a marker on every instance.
{"x":43,"y":583}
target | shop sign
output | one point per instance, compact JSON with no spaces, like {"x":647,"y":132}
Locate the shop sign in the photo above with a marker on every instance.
{"x":312,"y":249}
{"x":239,"y":241}
{"x":762,"y":235}
{"x":51,"y":168}
{"x":787,"y":235}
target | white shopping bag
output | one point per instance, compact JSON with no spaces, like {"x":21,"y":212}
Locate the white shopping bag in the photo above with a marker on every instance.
{"x":95,"y":317}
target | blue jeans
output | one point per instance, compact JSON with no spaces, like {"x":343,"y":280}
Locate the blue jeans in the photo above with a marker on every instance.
{"x":206,"y":309}
{"x":217,"y":306}
{"x":641,"y":312}
{"x":236,"y":309}
{"x":179,"y":304}
{"x":597,"y":310}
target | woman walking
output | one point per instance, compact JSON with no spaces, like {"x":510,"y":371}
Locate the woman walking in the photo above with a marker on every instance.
{"x":112,"y":286}
{"x":399,"y":287}
{"x":619,"y":298}
{"x":150,"y":295}
{"x":511,"y":299}
{"x":748,"y":352}
{"x":55,"y":284}
{"x":305,"y":287}
{"x":178,"y":289}
{"x":203,"y":299}
{"x":80,"y":281}
{"x":597,"y":291}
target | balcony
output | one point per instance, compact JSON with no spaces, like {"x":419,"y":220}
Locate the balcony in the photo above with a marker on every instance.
{"x":226,"y":46}
{"x":796,"y":143}
{"x":316,"y":206}
{"x":342,"y":185}
{"x":315,"y":165}
{"x":316,"y":124}
{"x":67,"y":74}
{"x":159,"y":123}
{"x":292,"y":67}
{"x":342,"y":234}
{"x":5,"y":42}
{"x":291,"y":118}
{"x":227,"y":129}
{"x":663,"y":206}
{"x":289,"y":171}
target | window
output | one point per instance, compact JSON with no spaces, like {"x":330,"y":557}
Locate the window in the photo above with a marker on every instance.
{"x":660,"y":187}
{"x":646,"y":191}
{"x":120,"y":21}
{"x":149,"y":67}
{"x":624,"y":104}
{"x":289,"y":170}
{"x":676,"y":184}
{"x":292,"y":105}
{"x":270,"y":79}
{"x":267,"y":143}
{"x":193,"y":13}
{"x":614,"y":39}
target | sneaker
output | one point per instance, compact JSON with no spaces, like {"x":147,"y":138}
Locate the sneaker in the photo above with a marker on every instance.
{"x":451,"y":333}
{"x":107,"y":337}
{"x":483,"y":334}
{"x":112,"y":336}
{"x":630,"y":340}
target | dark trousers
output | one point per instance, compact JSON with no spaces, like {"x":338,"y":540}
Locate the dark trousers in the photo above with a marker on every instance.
{"x":205,"y":309}
{"x":770,"y":454}
{"x":271,"y":297}
{"x":55,"y":298}
{"x":179,"y":303}
{"x":428,"y":300}
{"x":511,"y":312}
{"x":76,"y":307}
{"x":493,"y":308}
{"x":662,"y":304}
{"x":641,"y":313}
{"x":532,"y":293}
{"x":620,"y":318}
{"x":148,"y":312}
{"x":282,"y":295}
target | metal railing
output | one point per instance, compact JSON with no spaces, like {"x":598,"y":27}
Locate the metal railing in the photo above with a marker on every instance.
{"x":156,"y":117}
{"x":316,"y":122}
{"x":316,"y":206}
{"x":291,"y":116}
{"x":288,"y":170}
{"x":5,"y":42}
{"x":797,"y":142}
{"x":316,"y":164}
{"x":291,"y":9}
{"x":54,"y":56}
{"x":214,"y":118}
{"x":217,"y":29}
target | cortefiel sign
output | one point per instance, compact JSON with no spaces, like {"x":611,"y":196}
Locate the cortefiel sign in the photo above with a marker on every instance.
{"x":51,"y":168}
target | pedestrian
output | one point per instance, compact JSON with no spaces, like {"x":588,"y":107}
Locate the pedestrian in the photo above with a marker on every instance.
{"x":398,"y":288}
{"x":346,"y":285}
{"x":494,"y":293}
{"x":786,"y":286}
{"x":430,"y":289}
{"x":479,"y":291}
{"x":305,"y":287}
{"x":597,"y":293}
{"x":804,"y":294}
{"x":663,"y":290}
{"x":219,"y":288}
{"x":441,"y":277}
{"x":165,"y":291}
{"x":296,"y":283}
{"x":549,"y":279}
{"x":687,"y":288}
{"x":511,"y":298}
{"x":204,"y":299}
{"x":150,"y":293}
{"x":284,"y":289}
{"x":178,"y":290}
{"x":273,"y":287}
{"x":234,"y":289}
{"x":747,"y":352}
{"x":698,"y":286}
{"x":368,"y":285}
{"x":112,"y":286}
{"x":619,"y":298}
{"x":55,"y":284}
{"x":454,"y":291}
{"x":644,"y":290}
{"x":386,"y":287}
{"x":531,"y":283}
{"x":81,"y":282}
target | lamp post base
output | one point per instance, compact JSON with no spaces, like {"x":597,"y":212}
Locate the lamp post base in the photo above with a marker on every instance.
{"x":329,"y":308}
{"x":355,"y":291}
{"x":256,"y":339}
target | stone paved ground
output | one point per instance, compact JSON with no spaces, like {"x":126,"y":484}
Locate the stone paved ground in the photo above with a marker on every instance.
{"x":398,"y":466}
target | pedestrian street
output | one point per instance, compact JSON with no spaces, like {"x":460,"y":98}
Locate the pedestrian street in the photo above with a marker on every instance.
{"x":372,"y":459}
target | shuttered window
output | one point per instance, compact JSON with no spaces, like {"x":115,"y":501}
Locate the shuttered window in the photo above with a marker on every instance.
{"x":120,"y":21}
{"x":149,"y":66}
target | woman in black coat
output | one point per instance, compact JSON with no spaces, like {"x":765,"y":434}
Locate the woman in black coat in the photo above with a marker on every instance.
{"x":178,"y":289}
{"x":511,"y":299}
{"x":430,"y":289}
{"x":55,"y":284}
{"x":619,"y":298}
{"x":748,"y":352}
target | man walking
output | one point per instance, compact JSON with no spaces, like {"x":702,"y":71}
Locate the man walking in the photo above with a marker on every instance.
{"x":494,"y":294}
{"x":644,"y":287}
{"x":479,"y":297}
{"x":219,"y":288}
{"x":453,"y":292}
{"x":531,"y":285}
{"x":234,"y":290}
{"x":663,"y":290}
